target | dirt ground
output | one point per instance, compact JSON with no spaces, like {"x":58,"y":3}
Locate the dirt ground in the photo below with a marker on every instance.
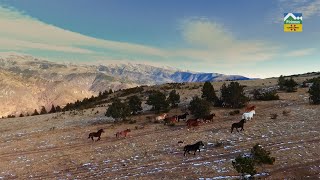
{"x":56,"y":146}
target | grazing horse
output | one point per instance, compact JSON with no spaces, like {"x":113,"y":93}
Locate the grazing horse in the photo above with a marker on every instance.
{"x":238,"y":125}
{"x":172,"y":119}
{"x":193,"y":147}
{"x":122,"y":133}
{"x":192,"y":122}
{"x":209,"y":117}
{"x":183,"y":116}
{"x":250,"y":108}
{"x":161,"y":117}
{"x":96,"y":134}
{"x":248,"y":115}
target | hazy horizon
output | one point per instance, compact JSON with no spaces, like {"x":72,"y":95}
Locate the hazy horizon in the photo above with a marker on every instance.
{"x":246,"y":38}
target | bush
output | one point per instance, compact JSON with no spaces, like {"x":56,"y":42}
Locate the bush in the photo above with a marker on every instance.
{"x":199,"y":108}
{"x":290,"y":85}
{"x":233,"y":95}
{"x":246,"y":164}
{"x":274,"y":116}
{"x":232,"y":113}
{"x":314,"y":92}
{"x":261,"y":156}
{"x":265,"y":96}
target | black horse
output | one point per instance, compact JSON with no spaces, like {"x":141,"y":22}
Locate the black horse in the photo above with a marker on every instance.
{"x":183,"y":116}
{"x":193,"y":147}
{"x":238,"y":125}
{"x":96,"y":134}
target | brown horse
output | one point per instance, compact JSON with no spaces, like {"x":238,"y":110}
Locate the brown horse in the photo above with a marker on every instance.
{"x":172,"y":119}
{"x":192,"y":123}
{"x":96,"y":134}
{"x":122,"y":133}
{"x":238,"y":125}
{"x":209,"y":117}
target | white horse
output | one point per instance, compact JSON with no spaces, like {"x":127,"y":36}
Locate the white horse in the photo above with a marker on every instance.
{"x":248,"y":115}
{"x":161,"y":117}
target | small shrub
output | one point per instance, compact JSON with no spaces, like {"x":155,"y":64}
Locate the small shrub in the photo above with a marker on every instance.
{"x":232,"y":113}
{"x":132,"y":121}
{"x":218,"y":144}
{"x":261,"y":156}
{"x":274,"y":116}
{"x":244,"y":165}
{"x":265,"y":96}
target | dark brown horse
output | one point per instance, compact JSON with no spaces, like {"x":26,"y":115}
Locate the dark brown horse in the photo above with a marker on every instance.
{"x":238,"y":125}
{"x":192,"y":123}
{"x":183,"y":116}
{"x":96,"y":134}
{"x":209,"y":117}
{"x":193,"y":147}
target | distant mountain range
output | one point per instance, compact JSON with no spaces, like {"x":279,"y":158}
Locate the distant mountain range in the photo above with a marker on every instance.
{"x":27,"y":83}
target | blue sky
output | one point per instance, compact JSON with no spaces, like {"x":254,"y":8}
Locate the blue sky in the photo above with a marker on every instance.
{"x":232,"y":37}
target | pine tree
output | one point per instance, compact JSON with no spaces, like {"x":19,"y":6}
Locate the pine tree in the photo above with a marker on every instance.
{"x":58,"y":109}
{"x":199,"y":108}
{"x":35,"y":113}
{"x":174,"y":98}
{"x":314,"y":93}
{"x":158,"y":101}
{"x":281,"y":82}
{"x":290,"y":85}
{"x":208,"y":92}
{"x":118,"y":110}
{"x":135,"y":104}
{"x":53,"y":109}
{"x":43,"y":110}
{"x":233,"y":95}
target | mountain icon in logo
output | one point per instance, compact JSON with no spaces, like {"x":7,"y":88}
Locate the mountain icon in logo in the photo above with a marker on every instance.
{"x":292,"y":22}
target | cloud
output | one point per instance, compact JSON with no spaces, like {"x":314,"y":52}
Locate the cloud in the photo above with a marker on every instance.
{"x":300,"y":52}
{"x":213,"y":42}
{"x":208,"y":43}
{"x":308,"y":8}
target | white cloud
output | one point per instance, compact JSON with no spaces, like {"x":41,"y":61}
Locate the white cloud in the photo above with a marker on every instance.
{"x":300,"y":52}
{"x":209,"y":43}
{"x":308,"y":8}
{"x":216,"y":43}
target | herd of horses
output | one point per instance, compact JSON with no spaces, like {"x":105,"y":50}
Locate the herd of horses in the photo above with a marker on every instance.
{"x":246,"y":116}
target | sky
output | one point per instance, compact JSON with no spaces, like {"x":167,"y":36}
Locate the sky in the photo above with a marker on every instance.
{"x":243,"y":37}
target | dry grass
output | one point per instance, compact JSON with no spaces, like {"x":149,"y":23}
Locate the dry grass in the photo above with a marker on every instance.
{"x":57,"y":148}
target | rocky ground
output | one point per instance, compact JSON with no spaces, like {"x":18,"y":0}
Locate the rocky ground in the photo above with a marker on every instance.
{"x":56,"y":146}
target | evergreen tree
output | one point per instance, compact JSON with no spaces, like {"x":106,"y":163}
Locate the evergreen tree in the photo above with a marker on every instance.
{"x":233,"y":95}
{"x":208,"y":92}
{"x":158,"y":101}
{"x":43,"y":110}
{"x":53,"y":109}
{"x":314,"y":93}
{"x":281,"y":82}
{"x":135,"y":104}
{"x":174,"y":98}
{"x":118,"y":110}
{"x":290,"y":85}
{"x":58,"y":109}
{"x":35,"y":113}
{"x":21,"y":115}
{"x":199,"y":108}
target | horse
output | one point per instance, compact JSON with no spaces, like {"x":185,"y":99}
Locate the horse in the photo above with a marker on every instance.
{"x":183,"y":116}
{"x":122,"y":133}
{"x":172,"y":119}
{"x":238,"y":125}
{"x":192,"y":122}
{"x":193,"y":147}
{"x":209,"y":117}
{"x":161,"y":117}
{"x":248,"y":115}
{"x":250,"y":108}
{"x":96,"y":134}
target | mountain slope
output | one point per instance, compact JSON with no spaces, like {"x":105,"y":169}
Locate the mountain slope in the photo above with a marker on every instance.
{"x":28,"y":83}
